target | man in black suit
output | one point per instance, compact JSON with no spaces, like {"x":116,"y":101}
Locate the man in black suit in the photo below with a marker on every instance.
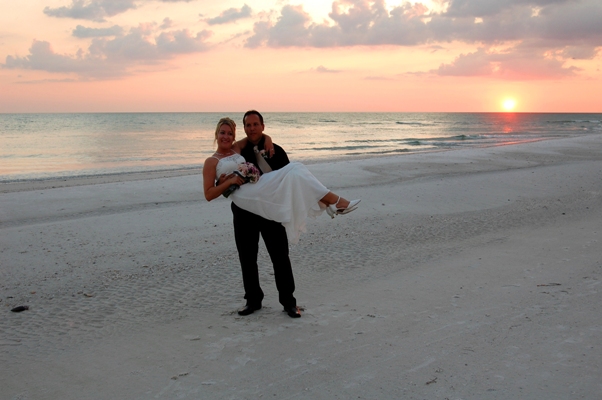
{"x":248,"y":227}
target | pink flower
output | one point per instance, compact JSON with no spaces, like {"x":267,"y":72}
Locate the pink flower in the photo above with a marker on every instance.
{"x":248,"y":172}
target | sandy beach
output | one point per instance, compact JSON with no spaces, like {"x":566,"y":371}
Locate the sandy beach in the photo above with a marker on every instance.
{"x":464,"y":274}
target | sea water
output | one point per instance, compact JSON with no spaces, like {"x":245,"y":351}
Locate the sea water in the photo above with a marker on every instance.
{"x":42,"y":146}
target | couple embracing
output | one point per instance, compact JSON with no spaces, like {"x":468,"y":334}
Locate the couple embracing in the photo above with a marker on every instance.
{"x":275,"y":207}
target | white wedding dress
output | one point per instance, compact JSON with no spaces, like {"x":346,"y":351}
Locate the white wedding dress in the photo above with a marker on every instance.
{"x":288,"y":195}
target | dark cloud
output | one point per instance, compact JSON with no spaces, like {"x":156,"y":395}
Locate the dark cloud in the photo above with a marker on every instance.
{"x":580,"y":52}
{"x":484,"y":8}
{"x":84,"y":32}
{"x":554,"y":25}
{"x":231,"y":15}
{"x":570,"y":23}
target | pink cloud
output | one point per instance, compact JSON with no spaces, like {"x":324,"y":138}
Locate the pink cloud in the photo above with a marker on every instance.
{"x":517,"y":64}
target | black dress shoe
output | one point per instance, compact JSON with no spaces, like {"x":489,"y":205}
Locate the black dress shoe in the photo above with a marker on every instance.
{"x":293,"y":312}
{"x":249,"y":309}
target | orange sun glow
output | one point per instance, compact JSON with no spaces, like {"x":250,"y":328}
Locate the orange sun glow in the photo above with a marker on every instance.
{"x":509,"y":104}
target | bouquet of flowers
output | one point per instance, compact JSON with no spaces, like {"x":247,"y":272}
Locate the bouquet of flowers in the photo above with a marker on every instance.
{"x":248,"y":172}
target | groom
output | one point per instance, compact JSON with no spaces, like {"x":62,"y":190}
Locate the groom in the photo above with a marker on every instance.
{"x":248,"y":227}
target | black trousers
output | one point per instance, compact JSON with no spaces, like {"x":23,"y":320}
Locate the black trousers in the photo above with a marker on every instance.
{"x":247,"y":228}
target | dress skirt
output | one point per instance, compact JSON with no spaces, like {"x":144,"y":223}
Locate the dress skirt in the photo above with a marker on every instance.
{"x":288,"y":195}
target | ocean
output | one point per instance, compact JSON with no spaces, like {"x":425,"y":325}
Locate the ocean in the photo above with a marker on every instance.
{"x":45,"y":146}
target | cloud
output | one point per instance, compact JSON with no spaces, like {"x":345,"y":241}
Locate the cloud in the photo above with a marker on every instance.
{"x":109,"y":58}
{"x":142,"y":44}
{"x":517,"y":64}
{"x":566,"y":28}
{"x":485,"y":8}
{"x":42,"y":57}
{"x":580,"y":52}
{"x":83,"y":32}
{"x":370,"y":22}
{"x":94,"y":10}
{"x":181,"y":42}
{"x":231,"y":15}
{"x":167,"y":23}
{"x":290,"y":29}
{"x":536,"y":34}
{"x":323,"y":69}
{"x":472,"y":64}
{"x":378,"y":78}
{"x":261,"y":32}
{"x":552,"y":23}
{"x":38,"y":81}
{"x":355,"y":22}
{"x":97,"y":10}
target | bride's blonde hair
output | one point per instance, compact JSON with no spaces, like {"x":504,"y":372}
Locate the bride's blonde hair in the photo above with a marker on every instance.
{"x":225,"y":121}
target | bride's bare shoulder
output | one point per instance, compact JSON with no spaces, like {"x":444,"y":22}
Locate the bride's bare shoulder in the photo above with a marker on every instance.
{"x":211,"y":161}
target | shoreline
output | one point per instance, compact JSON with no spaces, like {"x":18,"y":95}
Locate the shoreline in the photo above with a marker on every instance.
{"x":70,"y":181}
{"x":19,"y":185}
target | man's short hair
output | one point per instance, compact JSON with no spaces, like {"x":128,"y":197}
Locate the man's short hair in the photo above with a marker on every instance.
{"x":252,"y":112}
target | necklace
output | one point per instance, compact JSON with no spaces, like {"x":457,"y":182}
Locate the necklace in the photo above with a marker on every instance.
{"x":224,"y":155}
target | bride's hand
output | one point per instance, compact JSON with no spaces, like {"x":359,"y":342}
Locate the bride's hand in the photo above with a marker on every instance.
{"x":268,"y":146}
{"x":235,"y":179}
{"x":225,"y":177}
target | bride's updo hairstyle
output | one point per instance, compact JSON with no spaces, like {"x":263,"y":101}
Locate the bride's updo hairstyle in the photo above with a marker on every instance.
{"x":225,"y":121}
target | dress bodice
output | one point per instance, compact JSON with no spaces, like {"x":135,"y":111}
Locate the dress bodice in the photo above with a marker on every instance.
{"x":228,"y":164}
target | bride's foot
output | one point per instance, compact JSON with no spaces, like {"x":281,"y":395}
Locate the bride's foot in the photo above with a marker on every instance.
{"x":341,"y":207}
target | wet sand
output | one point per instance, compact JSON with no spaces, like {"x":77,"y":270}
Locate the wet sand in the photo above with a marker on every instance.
{"x":465,"y":274}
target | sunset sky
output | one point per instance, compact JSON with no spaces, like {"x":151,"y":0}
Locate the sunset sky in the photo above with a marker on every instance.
{"x":318,"y":55}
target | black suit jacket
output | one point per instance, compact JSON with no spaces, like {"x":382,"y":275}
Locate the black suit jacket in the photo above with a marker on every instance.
{"x":277,"y":161}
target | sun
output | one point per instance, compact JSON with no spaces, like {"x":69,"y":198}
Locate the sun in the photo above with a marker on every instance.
{"x":509,"y":104}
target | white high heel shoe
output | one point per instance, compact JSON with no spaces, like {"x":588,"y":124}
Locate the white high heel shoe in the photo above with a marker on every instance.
{"x":332,"y":209}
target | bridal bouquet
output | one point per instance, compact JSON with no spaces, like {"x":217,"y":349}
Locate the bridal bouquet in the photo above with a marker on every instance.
{"x":248,"y":172}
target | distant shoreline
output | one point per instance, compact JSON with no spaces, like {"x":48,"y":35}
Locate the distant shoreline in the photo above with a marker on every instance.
{"x":23,"y":185}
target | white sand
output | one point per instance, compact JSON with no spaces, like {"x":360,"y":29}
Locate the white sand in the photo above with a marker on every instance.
{"x":466,"y":274}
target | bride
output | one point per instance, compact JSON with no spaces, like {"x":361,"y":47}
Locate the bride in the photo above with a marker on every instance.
{"x":287,"y":195}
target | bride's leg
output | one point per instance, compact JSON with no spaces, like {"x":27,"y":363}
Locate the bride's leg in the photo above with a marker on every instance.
{"x":332,"y":198}
{"x":336,"y":205}
{"x":329,"y":199}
